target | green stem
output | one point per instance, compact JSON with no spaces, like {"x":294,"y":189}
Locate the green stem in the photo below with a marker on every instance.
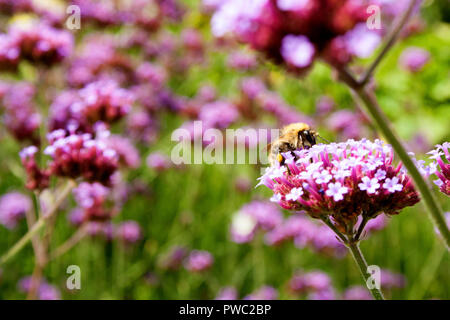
{"x":362,"y":265}
{"x":38,"y":225}
{"x":427,"y":195}
{"x":327,"y":221}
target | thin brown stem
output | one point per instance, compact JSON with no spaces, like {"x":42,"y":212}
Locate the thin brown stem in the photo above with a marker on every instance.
{"x":70,"y":243}
{"x":40,"y":223}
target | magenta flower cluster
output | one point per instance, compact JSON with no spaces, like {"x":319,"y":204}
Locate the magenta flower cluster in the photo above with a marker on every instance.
{"x":35,"y":42}
{"x":13,"y":207}
{"x":298,"y":32}
{"x":441,"y":163}
{"x":81,"y":155}
{"x":342,"y":180}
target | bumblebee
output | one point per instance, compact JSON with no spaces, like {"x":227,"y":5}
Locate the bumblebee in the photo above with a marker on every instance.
{"x":292,"y":137}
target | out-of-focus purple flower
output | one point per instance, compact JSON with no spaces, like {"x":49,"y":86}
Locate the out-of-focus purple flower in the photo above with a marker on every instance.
{"x":376,"y":224}
{"x":142,"y":126}
{"x":263,"y":293}
{"x":252,"y":87}
{"x":9,"y":53}
{"x":199,"y":261}
{"x":152,"y":74}
{"x":91,"y":198}
{"x":13,"y":207}
{"x":20,"y":115}
{"x":127,"y":152}
{"x":308,"y":282}
{"x":100,"y":229}
{"x":297,"y":32}
{"x":40,"y":43}
{"x":441,"y":163}
{"x":80,"y":155}
{"x":37,"y":179}
{"x":297,"y":51}
{"x":128,"y":232}
{"x":159,"y":161}
{"x":45,"y":291}
{"x":192,"y":40}
{"x":328,"y":294}
{"x":227,"y":293}
{"x":253,"y":216}
{"x":357,"y":293}
{"x":414,"y":59}
{"x":361,"y":41}
{"x":103,"y":101}
{"x":345,"y":123}
{"x":341,"y":198}
{"x":219,"y":114}
{"x":389,"y":279}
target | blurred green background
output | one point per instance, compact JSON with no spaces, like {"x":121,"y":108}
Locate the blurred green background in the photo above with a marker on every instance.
{"x":193,"y":207}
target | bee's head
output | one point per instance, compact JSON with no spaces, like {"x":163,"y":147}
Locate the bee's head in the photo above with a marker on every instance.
{"x":307,"y":138}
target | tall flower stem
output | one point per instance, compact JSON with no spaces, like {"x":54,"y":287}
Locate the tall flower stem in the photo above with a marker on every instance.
{"x":379,"y":118}
{"x":369,"y":100}
{"x":40,"y":223}
{"x":362,"y":265}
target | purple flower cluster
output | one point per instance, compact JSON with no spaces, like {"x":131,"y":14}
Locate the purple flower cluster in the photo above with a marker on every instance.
{"x":37,"y":178}
{"x":159,"y":161}
{"x":81,"y":155}
{"x":298,"y":32}
{"x":20,"y":115}
{"x":198,"y":261}
{"x":414,"y":59}
{"x":45,"y":291}
{"x":128,"y":232}
{"x":254,"y":216}
{"x":263,"y":293}
{"x":91,"y":199}
{"x":35,"y":42}
{"x":342,"y":180}
{"x":79,"y":111}
{"x":13,"y":207}
{"x":315,"y":284}
{"x":441,"y":157}
{"x":306,"y":233}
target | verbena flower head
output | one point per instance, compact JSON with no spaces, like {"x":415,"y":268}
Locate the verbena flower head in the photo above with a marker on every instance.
{"x":13,"y":207}
{"x":45,"y":291}
{"x":342,"y":180}
{"x":128,"y":232}
{"x":298,"y":32}
{"x":103,"y":101}
{"x":41,"y":43}
{"x":263,"y":293}
{"x":199,"y":261}
{"x":20,"y":115}
{"x":81,"y":155}
{"x":441,"y":161}
{"x":37,"y":178}
{"x":91,"y":198}
{"x":227,"y":293}
{"x":414,"y":59}
{"x":309,"y":282}
{"x":357,"y":293}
